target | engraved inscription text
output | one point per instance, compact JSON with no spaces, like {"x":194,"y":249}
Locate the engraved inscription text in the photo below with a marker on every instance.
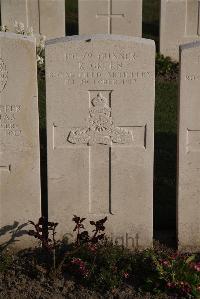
{"x":8,"y":122}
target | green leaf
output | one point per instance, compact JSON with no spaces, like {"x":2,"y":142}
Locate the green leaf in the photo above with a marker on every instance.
{"x":190,"y":259}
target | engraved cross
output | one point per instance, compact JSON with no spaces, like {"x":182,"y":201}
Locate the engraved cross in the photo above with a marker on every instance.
{"x":6,"y":168}
{"x":100,"y":135}
{"x":110,"y":15}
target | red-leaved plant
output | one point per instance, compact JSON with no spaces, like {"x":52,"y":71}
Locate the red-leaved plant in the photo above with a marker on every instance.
{"x":45,"y":231}
{"x":83,"y":235}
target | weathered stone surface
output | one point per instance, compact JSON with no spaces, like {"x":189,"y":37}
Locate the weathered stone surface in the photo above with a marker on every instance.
{"x":19,"y":137}
{"x":46,"y":17}
{"x":52,"y":18}
{"x":179,"y":24}
{"x":189,"y":149}
{"x":100,"y":118}
{"x":110,"y":16}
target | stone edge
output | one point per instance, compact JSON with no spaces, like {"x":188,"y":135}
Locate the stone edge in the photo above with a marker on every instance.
{"x":102,"y":37}
{"x":18,"y":36}
{"x":187,"y":46}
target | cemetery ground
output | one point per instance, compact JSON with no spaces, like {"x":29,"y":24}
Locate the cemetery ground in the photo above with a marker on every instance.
{"x":92,"y":267}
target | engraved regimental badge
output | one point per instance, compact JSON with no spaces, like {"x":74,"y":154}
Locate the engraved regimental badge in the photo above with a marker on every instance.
{"x":101,"y":129}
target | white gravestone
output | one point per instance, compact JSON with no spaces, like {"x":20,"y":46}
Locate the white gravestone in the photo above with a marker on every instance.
{"x":19,"y":134}
{"x":110,"y":16}
{"x":100,"y":119}
{"x":46,"y":17}
{"x":189,"y":149}
{"x":179,"y":24}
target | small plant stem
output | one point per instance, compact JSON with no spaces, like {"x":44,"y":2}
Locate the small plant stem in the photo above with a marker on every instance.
{"x":54,"y":258}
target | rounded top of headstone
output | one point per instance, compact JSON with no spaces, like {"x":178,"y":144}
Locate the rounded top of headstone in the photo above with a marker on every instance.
{"x":16,"y":36}
{"x":100,"y":37}
{"x":194,"y":44}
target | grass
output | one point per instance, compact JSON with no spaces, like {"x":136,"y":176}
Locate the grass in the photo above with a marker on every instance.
{"x":166,"y":110}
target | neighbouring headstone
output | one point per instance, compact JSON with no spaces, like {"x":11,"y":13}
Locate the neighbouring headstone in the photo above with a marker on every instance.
{"x":19,"y":138}
{"x":189,"y":149}
{"x":179,"y":24}
{"x":46,"y":17}
{"x":100,"y":120}
{"x":110,"y":16}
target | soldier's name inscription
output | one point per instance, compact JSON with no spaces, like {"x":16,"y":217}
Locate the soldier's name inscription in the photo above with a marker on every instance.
{"x":104,"y":68}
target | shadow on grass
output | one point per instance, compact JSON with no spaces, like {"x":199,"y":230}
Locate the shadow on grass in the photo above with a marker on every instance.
{"x":165,"y":161}
{"x":43,"y":145}
{"x":43,"y":167}
{"x":165,"y":188}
